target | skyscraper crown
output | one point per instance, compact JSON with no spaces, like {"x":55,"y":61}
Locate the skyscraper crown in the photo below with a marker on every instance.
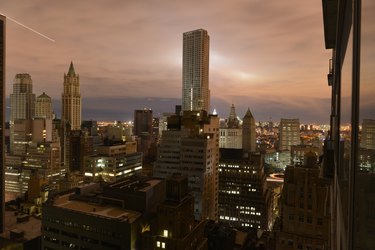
{"x":71,"y":71}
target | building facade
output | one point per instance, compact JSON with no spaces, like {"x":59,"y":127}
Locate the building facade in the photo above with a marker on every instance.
{"x":289,"y":133}
{"x":175,"y":226}
{"x":195,"y":71}
{"x":43,"y":107}
{"x":248,"y":133}
{"x":231,"y":131}
{"x":190,"y":147}
{"x":244,"y":200}
{"x":22,"y":100}
{"x":71,"y":100}
{"x":305,"y":202}
{"x":368,"y":134}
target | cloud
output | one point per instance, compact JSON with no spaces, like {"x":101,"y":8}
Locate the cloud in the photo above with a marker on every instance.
{"x":268,"y":51}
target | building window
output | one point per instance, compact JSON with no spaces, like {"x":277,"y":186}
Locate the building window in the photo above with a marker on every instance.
{"x":158,"y":244}
{"x":163,"y":245}
{"x":165,"y":233}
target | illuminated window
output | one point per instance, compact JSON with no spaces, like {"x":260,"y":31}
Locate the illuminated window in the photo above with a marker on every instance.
{"x":158,"y":244}
{"x":163,"y":245}
{"x":165,"y":233}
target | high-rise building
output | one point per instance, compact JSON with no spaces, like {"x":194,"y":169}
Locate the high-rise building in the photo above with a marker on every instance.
{"x":195,"y":71}
{"x":368,"y":134}
{"x":22,"y":105}
{"x":71,"y":100}
{"x":289,"y":133}
{"x":190,"y":147}
{"x":244,"y":200}
{"x":248,"y":132}
{"x":2,"y":120}
{"x":143,"y":129}
{"x":142,"y":122}
{"x":43,"y":107}
{"x":22,"y":100}
{"x":305,"y":202}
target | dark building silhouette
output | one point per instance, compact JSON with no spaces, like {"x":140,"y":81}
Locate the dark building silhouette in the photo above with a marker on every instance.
{"x":175,"y":226}
{"x":2,"y":121}
{"x":348,"y":32}
{"x":143,"y":129}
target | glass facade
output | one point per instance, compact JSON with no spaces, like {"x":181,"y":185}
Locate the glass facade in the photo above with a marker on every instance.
{"x":350,"y":32}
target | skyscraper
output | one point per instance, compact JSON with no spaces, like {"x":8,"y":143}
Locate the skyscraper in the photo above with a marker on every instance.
{"x":195,"y":89}
{"x":43,"y":106}
{"x":2,"y":120}
{"x":190,"y":147}
{"x":71,"y":99}
{"x":248,"y":133}
{"x":22,"y":100}
{"x":289,"y":133}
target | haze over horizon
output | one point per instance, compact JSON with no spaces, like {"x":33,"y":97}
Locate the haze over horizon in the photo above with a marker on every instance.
{"x":268,"y":56}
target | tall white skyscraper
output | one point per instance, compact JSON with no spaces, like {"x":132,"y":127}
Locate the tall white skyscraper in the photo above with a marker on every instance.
{"x":71,"y":99}
{"x":22,"y":100}
{"x":195,"y":89}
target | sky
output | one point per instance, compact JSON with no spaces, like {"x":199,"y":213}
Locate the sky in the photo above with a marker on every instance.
{"x":266,"y":55}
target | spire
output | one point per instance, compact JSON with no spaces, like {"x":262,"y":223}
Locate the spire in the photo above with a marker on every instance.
{"x":71,"y":71}
{"x":248,"y":114}
{"x":232,"y":119}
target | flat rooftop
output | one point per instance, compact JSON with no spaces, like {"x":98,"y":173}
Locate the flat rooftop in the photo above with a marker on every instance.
{"x":31,"y":228}
{"x":105,"y":211}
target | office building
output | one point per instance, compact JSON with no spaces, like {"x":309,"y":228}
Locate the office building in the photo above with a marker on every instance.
{"x":2,"y":121}
{"x":43,"y":107}
{"x":248,"y":133}
{"x":22,"y":100}
{"x":143,"y":129}
{"x":305,"y":202}
{"x":348,"y":32}
{"x":22,"y":105}
{"x":231,"y":131}
{"x":175,"y":226}
{"x":368,"y":134}
{"x":72,"y":220}
{"x":71,"y":100}
{"x":195,"y":71}
{"x":190,"y":147}
{"x":244,"y":200}
{"x":114,"y":161}
{"x":80,"y":146}
{"x":289,"y":134}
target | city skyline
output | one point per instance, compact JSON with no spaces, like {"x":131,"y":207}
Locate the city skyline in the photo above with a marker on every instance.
{"x":127,"y":59}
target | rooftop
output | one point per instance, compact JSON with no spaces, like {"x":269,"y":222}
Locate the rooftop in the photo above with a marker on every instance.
{"x":30,"y":227}
{"x":106,"y":211}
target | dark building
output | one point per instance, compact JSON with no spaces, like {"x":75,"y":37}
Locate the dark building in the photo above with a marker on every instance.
{"x":80,"y":146}
{"x":175,"y":226}
{"x":244,"y":200}
{"x":2,"y":121}
{"x":348,"y":32}
{"x":305,"y":220}
{"x":143,"y":129}
{"x":95,"y":217}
